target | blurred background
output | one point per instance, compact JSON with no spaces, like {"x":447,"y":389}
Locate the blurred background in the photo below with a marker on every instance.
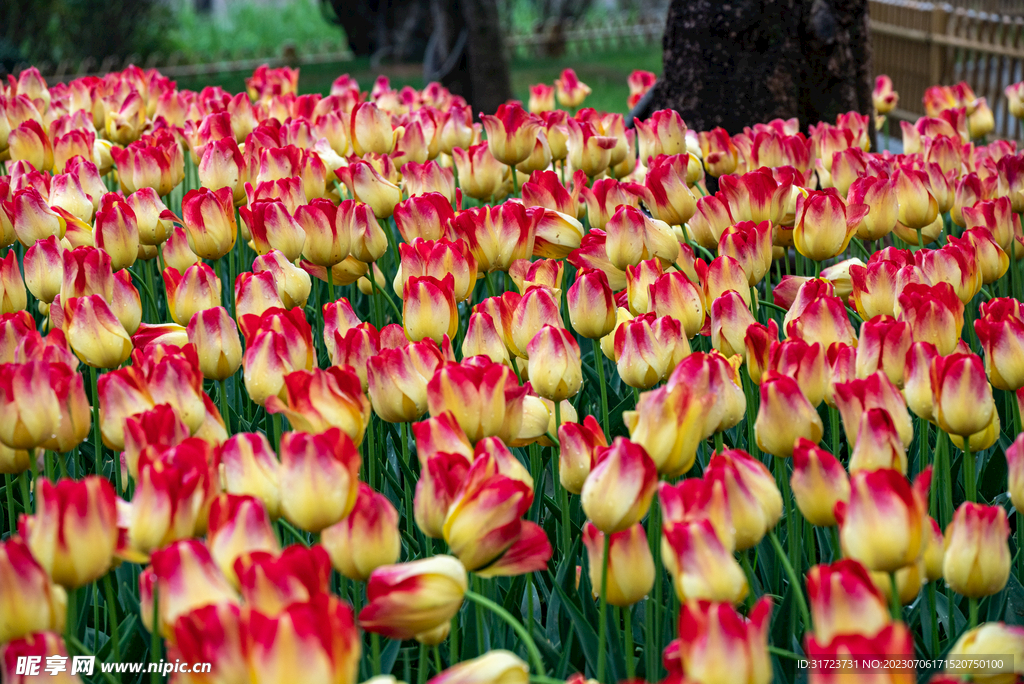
{"x":217,"y":42}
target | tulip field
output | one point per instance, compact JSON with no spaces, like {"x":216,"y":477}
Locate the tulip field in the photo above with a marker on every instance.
{"x":368,"y":386}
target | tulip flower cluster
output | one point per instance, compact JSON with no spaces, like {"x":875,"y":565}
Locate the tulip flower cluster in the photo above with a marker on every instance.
{"x":366,"y":385}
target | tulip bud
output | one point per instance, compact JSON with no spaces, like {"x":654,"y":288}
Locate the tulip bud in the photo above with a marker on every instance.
{"x":29,"y":601}
{"x":878,"y":444}
{"x":843,"y":600}
{"x":884,"y":343}
{"x":398,"y":380}
{"x":366,"y":539}
{"x":369,"y":187}
{"x":962,"y":396}
{"x":74,"y":530}
{"x":317,"y":400}
{"x":251,"y":468}
{"x":485,"y":398}
{"x":717,"y":644}
{"x":94,"y":333}
{"x":785,"y":415}
{"x":117,"y":231}
{"x":755,"y":503}
{"x":856,"y":397}
{"x":215,"y":336}
{"x":648,"y":349}
{"x":977,"y":556}
{"x":883,"y":524}
{"x":209,"y":222}
{"x":184,"y":577}
{"x":238,"y":526}
{"x":630,"y":564}
{"x":44,"y":265}
{"x":668,"y":424}
{"x":319,"y":478}
{"x":414,"y":598}
{"x":429,"y":308}
{"x":539,"y":307}
{"x":555,"y":368}
{"x":273,"y":227}
{"x":632,"y":238}
{"x":819,"y":482}
{"x":805,"y":363}
{"x":618,"y":491}
{"x":579,"y":444}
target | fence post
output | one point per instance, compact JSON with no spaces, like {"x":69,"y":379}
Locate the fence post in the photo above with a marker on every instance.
{"x":937,"y":53}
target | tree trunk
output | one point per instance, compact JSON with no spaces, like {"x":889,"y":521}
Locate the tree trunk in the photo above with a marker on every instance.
{"x":734,"y":63}
{"x":459,"y":41}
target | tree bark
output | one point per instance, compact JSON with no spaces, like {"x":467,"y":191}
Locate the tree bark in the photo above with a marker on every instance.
{"x":734,"y":63}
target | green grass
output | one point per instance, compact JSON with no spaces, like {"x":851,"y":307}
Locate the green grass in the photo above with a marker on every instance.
{"x":604,"y":72}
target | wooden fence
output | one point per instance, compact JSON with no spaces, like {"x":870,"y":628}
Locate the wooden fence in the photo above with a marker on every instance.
{"x":919,"y":44}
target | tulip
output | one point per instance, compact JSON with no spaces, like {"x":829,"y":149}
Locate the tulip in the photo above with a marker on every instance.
{"x":843,"y":600}
{"x":720,"y":155}
{"x":589,"y":151}
{"x":1001,"y":332}
{"x":579,"y":444}
{"x":894,"y":640}
{"x":977,"y":532}
{"x":30,"y":405}
{"x":370,"y":130}
{"x":43,"y":651}
{"x":668,"y":424}
{"x":543,"y":272}
{"x":750,"y":244}
{"x":882,"y":526}
{"x":619,"y":489}
{"x":962,"y":396}
{"x":176,"y":252}
{"x":701,"y":566}
{"x":663,"y":133}
{"x":606,"y":196}
{"x":632,"y":238}
{"x":630,"y":564}
{"x":884,"y":343}
{"x":366,"y":539}
{"x":484,"y":397}
{"x":483,"y":527}
{"x":117,"y":231}
{"x":94,"y":333}
{"x":818,"y":482}
{"x":212,"y":634}
{"x":317,"y":401}
{"x":935,"y":314}
{"x":74,"y":530}
{"x":710,"y":220}
{"x":648,"y":349}
{"x":256,"y":293}
{"x":879,"y":195}
{"x":319,"y":478}
{"x":155,"y":430}
{"x":805,"y":363}
{"x":981,"y":642}
{"x":197,"y":289}
{"x":293,"y":283}
{"x":755,"y":503}
{"x":269,"y":582}
{"x":273,"y":228}
{"x":480,"y":174}
{"x":997,"y":217}
{"x":555,"y":368}
{"x":424,"y":216}
{"x":209,"y":222}
{"x":29,"y":142}
{"x":856,"y":397}
{"x":483,"y":339}
{"x":44,"y":265}
{"x":878,"y":444}
{"x":277,"y":343}
{"x":917,"y":205}
{"x":437,"y":259}
{"x":674,"y":294}
{"x":184,"y":577}
{"x":718,"y":645}
{"x":250,"y":468}
{"x":429,"y":308}
{"x":30,"y":601}
{"x":499,"y":235}
{"x":511,"y":133}
{"x":715,"y":382}
{"x":785,"y":415}
{"x":825,"y":224}
{"x":238,"y":526}
{"x":757,"y":342}
{"x":414,"y":598}
{"x":398,"y":380}
{"x":32,"y":218}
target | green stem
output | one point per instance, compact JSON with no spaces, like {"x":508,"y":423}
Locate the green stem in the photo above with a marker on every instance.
{"x":422,"y":665}
{"x":404,"y":435}
{"x":970,"y":476}
{"x":226,"y":291}
{"x":920,"y":239}
{"x":77,"y":647}
{"x":973,"y":612}
{"x":794,"y":579}
{"x":72,"y":616}
{"x":515,"y":181}
{"x":330,"y":282}
{"x":718,"y":442}
{"x":627,"y":622}
{"x":115,"y":639}
{"x":933,"y":618}
{"x":277,"y":433}
{"x":599,"y":365}
{"x":437,"y":659}
{"x":833,"y":430}
{"x":97,"y":445}
{"x":749,"y":572}
{"x":602,"y":638}
{"x":531,"y":647}
{"x":154,"y":637}
{"x":387,"y":298}
{"x":453,"y":645}
{"x":225,"y":413}
{"x":894,"y":598}
{"x":563,"y":494}
{"x":11,"y":511}
{"x":1020,"y":545}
